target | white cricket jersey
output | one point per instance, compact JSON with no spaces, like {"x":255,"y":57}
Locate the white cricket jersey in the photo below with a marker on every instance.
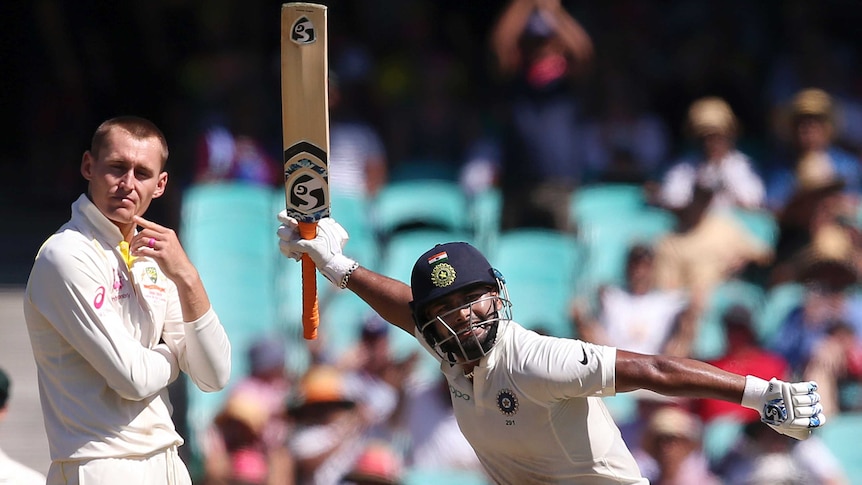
{"x":93,"y":323}
{"x":534,"y":413}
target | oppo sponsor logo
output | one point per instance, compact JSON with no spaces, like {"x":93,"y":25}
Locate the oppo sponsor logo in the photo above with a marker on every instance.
{"x":458,"y":394}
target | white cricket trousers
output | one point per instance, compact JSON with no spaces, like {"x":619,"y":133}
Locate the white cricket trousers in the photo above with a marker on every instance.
{"x":163,"y":468}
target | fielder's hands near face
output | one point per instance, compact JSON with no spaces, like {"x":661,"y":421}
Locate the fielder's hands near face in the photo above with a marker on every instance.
{"x":325,"y":249}
{"x":792,"y":409}
{"x":161,"y":244}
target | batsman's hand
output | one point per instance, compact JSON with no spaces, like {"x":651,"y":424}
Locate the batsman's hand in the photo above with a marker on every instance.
{"x":792,"y":409}
{"x":324,"y":250}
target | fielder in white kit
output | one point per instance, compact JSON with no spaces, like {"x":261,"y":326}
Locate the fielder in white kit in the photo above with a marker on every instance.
{"x":530,"y":404}
{"x":114,"y":313}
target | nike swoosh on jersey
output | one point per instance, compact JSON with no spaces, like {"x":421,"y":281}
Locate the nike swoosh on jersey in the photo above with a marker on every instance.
{"x":584,"y":360}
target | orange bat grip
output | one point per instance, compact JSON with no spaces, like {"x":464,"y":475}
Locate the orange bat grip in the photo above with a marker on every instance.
{"x":310,"y":310}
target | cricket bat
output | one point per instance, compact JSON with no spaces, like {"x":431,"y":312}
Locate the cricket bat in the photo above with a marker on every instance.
{"x":305,"y":126}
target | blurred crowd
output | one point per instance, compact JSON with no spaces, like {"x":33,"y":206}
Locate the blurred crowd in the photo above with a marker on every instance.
{"x":713,"y":111}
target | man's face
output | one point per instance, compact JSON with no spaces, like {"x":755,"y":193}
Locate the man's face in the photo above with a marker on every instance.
{"x":463,"y":313}
{"x":812,"y":133}
{"x":125,"y":176}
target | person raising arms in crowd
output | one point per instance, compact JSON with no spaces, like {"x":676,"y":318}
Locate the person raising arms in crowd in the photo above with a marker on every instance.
{"x":115,"y":309}
{"x":529,"y":404}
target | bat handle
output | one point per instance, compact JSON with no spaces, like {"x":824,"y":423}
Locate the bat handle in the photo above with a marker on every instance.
{"x":310,"y":310}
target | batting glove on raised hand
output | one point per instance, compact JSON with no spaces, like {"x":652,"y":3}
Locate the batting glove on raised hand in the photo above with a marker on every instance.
{"x":324,"y":250}
{"x":792,"y":409}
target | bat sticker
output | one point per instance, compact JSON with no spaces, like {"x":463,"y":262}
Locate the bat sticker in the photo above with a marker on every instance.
{"x":306,"y":189}
{"x":307,"y":193}
{"x":302,"y":31}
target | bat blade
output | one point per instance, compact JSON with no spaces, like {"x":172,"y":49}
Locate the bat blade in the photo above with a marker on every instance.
{"x":305,"y":126}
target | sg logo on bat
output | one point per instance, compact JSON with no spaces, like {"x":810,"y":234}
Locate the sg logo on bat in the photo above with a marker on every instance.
{"x":303,"y":31}
{"x":306,"y":182}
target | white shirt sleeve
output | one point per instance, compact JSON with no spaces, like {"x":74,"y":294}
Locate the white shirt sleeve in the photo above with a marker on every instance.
{"x":557,"y":368}
{"x":742,"y":182}
{"x":68,"y":289}
{"x":202,"y":348}
{"x":678,"y":186}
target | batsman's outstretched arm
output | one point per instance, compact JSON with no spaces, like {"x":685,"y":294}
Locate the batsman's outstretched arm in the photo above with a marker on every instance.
{"x":792,"y":409}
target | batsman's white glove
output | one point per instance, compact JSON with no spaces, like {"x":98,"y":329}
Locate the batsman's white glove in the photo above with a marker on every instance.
{"x":325,"y":249}
{"x":792,"y":409}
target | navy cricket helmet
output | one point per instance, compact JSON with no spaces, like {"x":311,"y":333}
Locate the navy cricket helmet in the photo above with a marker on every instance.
{"x":446,"y":269}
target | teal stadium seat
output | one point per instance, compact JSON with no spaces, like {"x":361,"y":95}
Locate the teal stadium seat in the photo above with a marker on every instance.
{"x":354,"y":214}
{"x":841,"y":435}
{"x":485,"y":214}
{"x":227,"y":230}
{"x":438,"y":476}
{"x":608,"y":239}
{"x":595,"y":202}
{"x":719,"y":436}
{"x":403,"y":204}
{"x":779,"y":302}
{"x":760,"y":223}
{"x":342,"y":318}
{"x":539,"y":266}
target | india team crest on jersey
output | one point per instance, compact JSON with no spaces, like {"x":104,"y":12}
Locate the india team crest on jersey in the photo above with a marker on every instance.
{"x":507,"y":402}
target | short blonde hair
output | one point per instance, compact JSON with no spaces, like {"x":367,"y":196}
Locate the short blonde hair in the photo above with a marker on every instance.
{"x":136,"y":126}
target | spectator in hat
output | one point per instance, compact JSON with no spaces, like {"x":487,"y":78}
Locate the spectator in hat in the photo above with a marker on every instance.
{"x":329,"y":431}
{"x":670,"y":452}
{"x":716,"y":164}
{"x":379,"y":464}
{"x":816,"y":222}
{"x":11,"y":471}
{"x":709,"y":245}
{"x":810,"y":130}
